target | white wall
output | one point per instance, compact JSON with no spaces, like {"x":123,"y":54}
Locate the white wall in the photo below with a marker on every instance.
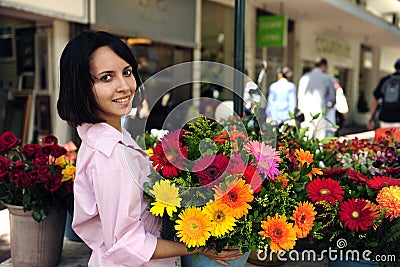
{"x":73,"y":10}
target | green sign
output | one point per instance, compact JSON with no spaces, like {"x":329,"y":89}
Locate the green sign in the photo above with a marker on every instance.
{"x":271,"y":31}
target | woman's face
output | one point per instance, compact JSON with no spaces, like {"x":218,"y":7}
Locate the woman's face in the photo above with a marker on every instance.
{"x":114,"y":85}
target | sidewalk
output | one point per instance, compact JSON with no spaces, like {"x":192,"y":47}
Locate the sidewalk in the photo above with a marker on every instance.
{"x":76,"y":254}
{"x":73,"y":254}
{"x":4,"y":236}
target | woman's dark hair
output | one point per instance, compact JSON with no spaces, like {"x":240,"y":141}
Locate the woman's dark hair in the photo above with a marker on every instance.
{"x":76,"y":102}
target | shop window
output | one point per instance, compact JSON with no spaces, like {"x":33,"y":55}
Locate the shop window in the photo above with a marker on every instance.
{"x":6,"y":43}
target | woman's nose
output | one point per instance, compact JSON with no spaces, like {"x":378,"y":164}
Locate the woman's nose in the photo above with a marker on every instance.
{"x":123,"y":84}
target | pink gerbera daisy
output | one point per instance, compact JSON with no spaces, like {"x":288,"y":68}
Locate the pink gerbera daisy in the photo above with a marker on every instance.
{"x":266,"y":156}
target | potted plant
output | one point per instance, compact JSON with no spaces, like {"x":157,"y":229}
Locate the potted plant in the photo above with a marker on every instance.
{"x":36,"y":186}
{"x":283,"y":206}
{"x":358,"y":200}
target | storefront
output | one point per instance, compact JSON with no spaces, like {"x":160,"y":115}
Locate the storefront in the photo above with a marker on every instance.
{"x":31,"y":37}
{"x":159,"y":39}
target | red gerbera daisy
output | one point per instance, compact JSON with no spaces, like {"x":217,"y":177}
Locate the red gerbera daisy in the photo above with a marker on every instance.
{"x":210,"y":168}
{"x":253,"y":178}
{"x":378,"y":182}
{"x":335,"y":172}
{"x":322,"y":189}
{"x":250,"y":173}
{"x":169,"y":157}
{"x":393,"y":170}
{"x":357,"y":177}
{"x":355,"y":216}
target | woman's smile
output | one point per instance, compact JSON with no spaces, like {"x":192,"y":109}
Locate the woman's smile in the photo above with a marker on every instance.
{"x":122,"y":100}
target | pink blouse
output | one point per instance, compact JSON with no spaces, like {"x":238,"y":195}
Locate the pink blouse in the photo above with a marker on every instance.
{"x":110,"y":214}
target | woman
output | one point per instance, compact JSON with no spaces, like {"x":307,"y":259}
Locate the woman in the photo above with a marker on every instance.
{"x":98,"y":80}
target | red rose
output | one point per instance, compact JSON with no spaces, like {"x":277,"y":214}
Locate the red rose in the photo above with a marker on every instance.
{"x":69,"y":186}
{"x":49,"y":139}
{"x":34,"y":176}
{"x":54,"y":183}
{"x":19,"y":165}
{"x":30,"y":150}
{"x":58,"y":151}
{"x":5,"y":164}
{"x":3,"y":148}
{"x":40,"y":159}
{"x":20,"y":178}
{"x":46,"y":149}
{"x":8,"y":140}
{"x":44,"y":173}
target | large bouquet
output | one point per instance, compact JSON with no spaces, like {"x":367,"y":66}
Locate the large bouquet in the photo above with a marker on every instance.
{"x":358,"y":196}
{"x":35,"y":176}
{"x":218,"y":185}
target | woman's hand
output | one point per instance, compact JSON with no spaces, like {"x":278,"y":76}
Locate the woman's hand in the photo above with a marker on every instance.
{"x":223,"y":256}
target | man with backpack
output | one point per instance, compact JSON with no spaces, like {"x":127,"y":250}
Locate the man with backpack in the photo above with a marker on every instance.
{"x":388,"y":90}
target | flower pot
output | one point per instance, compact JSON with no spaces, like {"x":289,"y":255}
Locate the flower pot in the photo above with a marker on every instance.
{"x":203,"y":261}
{"x":36,"y":244}
{"x":69,"y":232}
{"x":268,"y":261}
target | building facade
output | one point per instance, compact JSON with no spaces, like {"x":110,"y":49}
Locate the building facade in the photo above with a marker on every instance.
{"x":359,"y":38}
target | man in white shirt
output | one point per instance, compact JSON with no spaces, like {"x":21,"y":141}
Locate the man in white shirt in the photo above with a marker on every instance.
{"x":317,"y":93}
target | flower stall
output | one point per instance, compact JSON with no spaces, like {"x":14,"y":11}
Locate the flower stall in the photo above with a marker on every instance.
{"x":36,"y":186}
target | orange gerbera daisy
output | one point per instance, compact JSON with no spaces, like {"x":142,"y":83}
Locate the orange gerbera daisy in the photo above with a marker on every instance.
{"x":235,"y":197}
{"x":238,"y":135}
{"x":282,"y":233}
{"x":303,"y":218}
{"x":314,"y":172}
{"x":389,"y":198}
{"x":222,"y":137}
{"x":282,"y":178}
{"x":304,"y":156}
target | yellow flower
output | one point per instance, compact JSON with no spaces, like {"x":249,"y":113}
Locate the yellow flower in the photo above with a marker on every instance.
{"x":304,"y":156}
{"x":68,"y":173}
{"x":221,"y":221}
{"x":282,"y":233}
{"x":234,"y":199}
{"x":193,"y":227}
{"x":389,"y":199}
{"x":61,"y":161}
{"x":150,"y":152}
{"x":303,"y":218}
{"x":166,"y":197}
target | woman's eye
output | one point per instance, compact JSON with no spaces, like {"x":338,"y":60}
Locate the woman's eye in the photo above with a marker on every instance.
{"x":128,"y":72}
{"x":106,"y":78}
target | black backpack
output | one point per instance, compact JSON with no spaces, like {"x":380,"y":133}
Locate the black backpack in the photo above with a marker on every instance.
{"x":391,"y":92}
